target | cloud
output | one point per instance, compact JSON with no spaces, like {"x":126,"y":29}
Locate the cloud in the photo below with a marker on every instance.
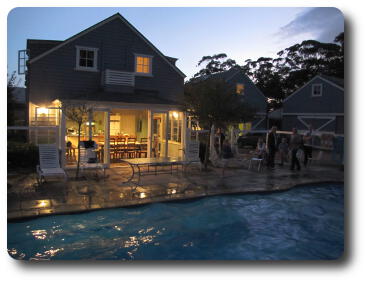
{"x":322,"y":24}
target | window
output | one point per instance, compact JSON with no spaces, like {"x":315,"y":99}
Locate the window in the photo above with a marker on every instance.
{"x":143,"y":64}
{"x":316,"y":89}
{"x":86,"y":58}
{"x":240,"y":89}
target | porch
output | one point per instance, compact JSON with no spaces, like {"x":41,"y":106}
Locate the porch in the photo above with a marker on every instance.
{"x":119,"y":130}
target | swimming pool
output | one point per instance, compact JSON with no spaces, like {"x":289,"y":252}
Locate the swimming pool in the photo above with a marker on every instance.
{"x":303,"y":223}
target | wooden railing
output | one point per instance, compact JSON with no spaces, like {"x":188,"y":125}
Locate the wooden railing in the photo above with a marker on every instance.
{"x":113,"y":77}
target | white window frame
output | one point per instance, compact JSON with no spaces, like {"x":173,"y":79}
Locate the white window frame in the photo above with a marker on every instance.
{"x":243,"y":91}
{"x":313,"y":90}
{"x":150,"y":74}
{"x":95,"y":59}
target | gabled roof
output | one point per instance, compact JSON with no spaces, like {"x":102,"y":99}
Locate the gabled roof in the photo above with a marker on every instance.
{"x":335,"y":80}
{"x":105,"y":21}
{"x":328,"y":79}
{"x":229,"y":74}
{"x":225,"y":75}
{"x":39,"y":46}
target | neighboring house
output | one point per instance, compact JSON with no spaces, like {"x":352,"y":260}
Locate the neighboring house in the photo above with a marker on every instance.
{"x":319,"y":103}
{"x":243,"y":85}
{"x":134,"y":89}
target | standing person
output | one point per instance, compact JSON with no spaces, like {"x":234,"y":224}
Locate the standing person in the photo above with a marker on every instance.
{"x":283,"y":150}
{"x":295,"y":144}
{"x":271,"y":146}
{"x":220,"y":137}
{"x":307,"y":145}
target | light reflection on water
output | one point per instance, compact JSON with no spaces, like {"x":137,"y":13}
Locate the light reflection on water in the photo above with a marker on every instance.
{"x":304,"y":223}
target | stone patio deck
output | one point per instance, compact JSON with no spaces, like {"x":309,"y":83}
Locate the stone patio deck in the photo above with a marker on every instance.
{"x":27,"y":199}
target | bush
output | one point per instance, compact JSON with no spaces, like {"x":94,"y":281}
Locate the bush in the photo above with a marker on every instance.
{"x":22,"y":155}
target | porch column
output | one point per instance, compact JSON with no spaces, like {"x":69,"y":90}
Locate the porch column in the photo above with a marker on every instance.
{"x":90,"y":120}
{"x":150,"y":123}
{"x":166,"y":135}
{"x":106,"y":150}
{"x":184,"y":134}
{"x":62,"y":136}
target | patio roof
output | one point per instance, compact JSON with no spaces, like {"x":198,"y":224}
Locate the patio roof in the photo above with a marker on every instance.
{"x":137,"y":96}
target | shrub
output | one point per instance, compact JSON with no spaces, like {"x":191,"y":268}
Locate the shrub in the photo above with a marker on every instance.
{"x":22,"y":155}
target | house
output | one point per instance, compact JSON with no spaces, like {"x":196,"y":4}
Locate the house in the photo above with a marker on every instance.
{"x":320,"y":103}
{"x":134,"y":90}
{"x":243,"y":85}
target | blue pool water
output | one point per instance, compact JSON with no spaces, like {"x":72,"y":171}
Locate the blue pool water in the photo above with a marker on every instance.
{"x":303,"y":223}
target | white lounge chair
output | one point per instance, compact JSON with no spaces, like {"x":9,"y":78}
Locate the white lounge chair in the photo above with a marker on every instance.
{"x":49,"y":163}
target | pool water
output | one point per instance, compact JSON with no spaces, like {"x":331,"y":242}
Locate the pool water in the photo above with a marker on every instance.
{"x":303,"y":223}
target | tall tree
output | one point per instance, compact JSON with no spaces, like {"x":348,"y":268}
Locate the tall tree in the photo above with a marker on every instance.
{"x":214,"y":102}
{"x":214,"y":64}
{"x":294,"y":66}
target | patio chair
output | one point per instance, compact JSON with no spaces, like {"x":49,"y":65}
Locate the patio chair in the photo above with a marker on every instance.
{"x":49,"y":163}
{"x":259,"y":161}
{"x":88,"y":159}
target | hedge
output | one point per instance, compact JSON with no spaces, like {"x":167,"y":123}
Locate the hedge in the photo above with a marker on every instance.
{"x":22,"y":155}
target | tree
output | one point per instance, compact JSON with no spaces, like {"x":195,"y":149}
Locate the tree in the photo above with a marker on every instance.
{"x":214,"y":102}
{"x":214,"y":64}
{"x":78,"y":113}
{"x":11,"y":83}
{"x":279,"y":77}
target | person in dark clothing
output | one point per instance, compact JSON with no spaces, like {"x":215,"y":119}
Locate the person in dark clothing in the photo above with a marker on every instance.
{"x":219,"y":139}
{"x":307,"y":145}
{"x":226,"y":150}
{"x":271,"y":146}
{"x":296,"y":144}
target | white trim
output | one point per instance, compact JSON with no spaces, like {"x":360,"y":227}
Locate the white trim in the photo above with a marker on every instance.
{"x":330,"y":82}
{"x":95,"y":58}
{"x":76,"y":36}
{"x":257,"y":124}
{"x":312,"y":114}
{"x":306,"y":84}
{"x":313,"y":90}
{"x":329,"y":118}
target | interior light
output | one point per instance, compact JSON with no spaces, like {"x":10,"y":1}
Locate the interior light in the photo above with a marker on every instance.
{"x":42,"y":110}
{"x":175,"y":114}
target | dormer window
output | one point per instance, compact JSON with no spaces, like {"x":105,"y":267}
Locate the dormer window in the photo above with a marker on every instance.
{"x":240,"y":89}
{"x":86,"y":58}
{"x":143,"y":64}
{"x":317,"y":90}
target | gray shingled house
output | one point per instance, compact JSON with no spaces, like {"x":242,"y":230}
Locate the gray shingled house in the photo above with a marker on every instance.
{"x":320,"y":103}
{"x":134,"y":89}
{"x":243,"y":85}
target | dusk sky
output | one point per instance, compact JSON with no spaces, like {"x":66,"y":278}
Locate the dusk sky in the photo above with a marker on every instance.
{"x":185,"y":33}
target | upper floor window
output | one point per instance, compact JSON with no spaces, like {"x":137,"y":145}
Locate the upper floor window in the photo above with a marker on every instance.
{"x":86,"y":58}
{"x":143,"y":64}
{"x":240,"y":89}
{"x":316,"y":89}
